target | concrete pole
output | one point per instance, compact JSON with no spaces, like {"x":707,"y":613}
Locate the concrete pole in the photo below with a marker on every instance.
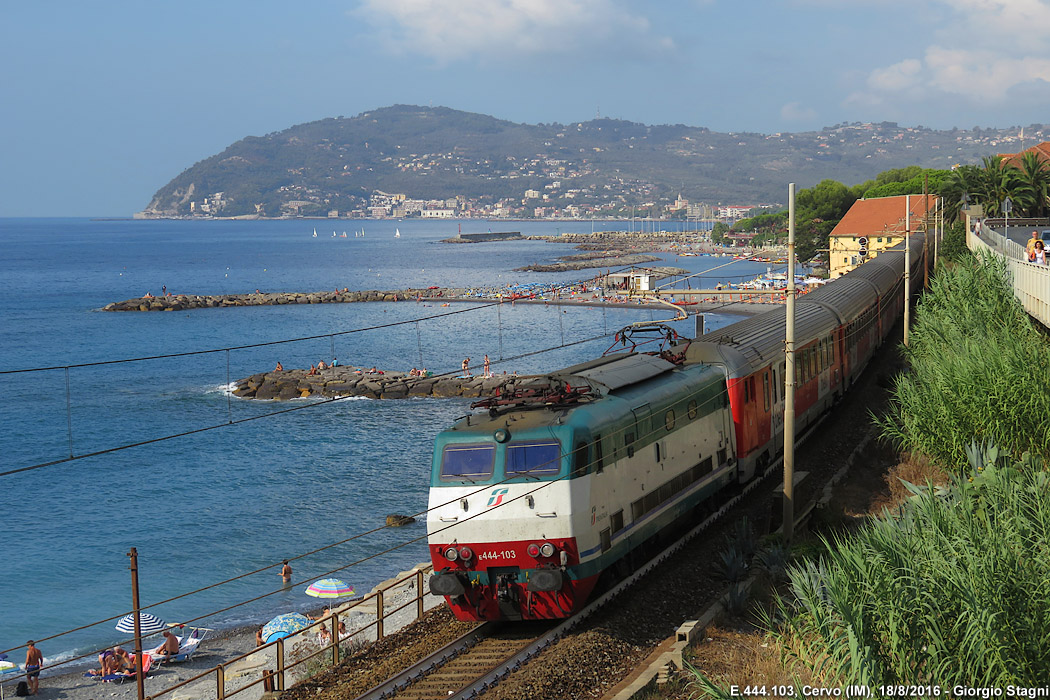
{"x":789,"y":379}
{"x":907,"y":267}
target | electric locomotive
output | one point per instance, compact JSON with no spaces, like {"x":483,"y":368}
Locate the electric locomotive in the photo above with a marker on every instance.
{"x":568,"y":476}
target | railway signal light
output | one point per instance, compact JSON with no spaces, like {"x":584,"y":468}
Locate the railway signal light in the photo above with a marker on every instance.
{"x":863,"y":241}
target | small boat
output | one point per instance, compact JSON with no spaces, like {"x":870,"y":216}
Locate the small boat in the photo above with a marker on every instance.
{"x":684,"y":303}
{"x":344,"y":235}
{"x":397,"y":233}
{"x":334,"y":235}
{"x":315,"y":233}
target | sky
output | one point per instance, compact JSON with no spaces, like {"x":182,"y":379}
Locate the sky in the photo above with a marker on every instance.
{"x":101,"y":104}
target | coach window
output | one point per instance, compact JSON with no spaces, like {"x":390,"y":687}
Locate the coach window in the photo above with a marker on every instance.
{"x":468,"y":462}
{"x":765,"y":390}
{"x":691,"y":409}
{"x":669,"y":420}
{"x":812,"y":362}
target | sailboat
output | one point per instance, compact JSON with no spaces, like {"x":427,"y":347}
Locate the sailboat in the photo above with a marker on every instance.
{"x":344,"y":235}
{"x":397,"y":233}
{"x":333,"y":234}
{"x":315,"y":233}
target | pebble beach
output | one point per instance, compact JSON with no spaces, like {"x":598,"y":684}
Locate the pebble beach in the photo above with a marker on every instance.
{"x":227,"y":647}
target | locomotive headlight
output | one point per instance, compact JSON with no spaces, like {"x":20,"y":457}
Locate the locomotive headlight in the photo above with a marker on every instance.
{"x":466,"y":554}
{"x":533,"y":550}
{"x":501,"y":435}
{"x":547,"y":549}
{"x":452,"y":554}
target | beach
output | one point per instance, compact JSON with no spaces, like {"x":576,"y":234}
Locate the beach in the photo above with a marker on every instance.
{"x":226,"y":646}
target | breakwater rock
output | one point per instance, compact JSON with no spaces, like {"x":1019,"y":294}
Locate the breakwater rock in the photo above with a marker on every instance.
{"x":351,"y":381}
{"x":179,"y":302}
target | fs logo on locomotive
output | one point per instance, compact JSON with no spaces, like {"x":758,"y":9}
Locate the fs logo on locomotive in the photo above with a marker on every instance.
{"x":497,"y":497}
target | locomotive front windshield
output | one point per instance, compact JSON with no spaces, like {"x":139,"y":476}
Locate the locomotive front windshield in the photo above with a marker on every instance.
{"x":533,"y":458}
{"x":470,"y":462}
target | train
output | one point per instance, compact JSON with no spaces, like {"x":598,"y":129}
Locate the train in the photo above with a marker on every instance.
{"x":571,"y":479}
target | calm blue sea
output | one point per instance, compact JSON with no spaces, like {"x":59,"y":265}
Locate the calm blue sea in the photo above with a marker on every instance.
{"x":218,"y":503}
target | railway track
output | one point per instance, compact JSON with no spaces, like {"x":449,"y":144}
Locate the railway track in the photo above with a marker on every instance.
{"x":461,"y":667}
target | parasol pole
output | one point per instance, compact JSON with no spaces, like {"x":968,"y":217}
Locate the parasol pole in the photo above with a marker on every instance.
{"x":140,"y":681}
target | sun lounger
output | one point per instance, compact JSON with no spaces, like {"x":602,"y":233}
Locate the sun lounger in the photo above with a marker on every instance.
{"x":187,"y":646}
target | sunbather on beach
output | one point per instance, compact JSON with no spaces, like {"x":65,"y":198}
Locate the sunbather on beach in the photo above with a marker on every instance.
{"x":170,"y":646}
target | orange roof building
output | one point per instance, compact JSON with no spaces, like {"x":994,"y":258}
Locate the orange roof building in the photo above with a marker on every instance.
{"x":1041,"y":150}
{"x":872,"y":226}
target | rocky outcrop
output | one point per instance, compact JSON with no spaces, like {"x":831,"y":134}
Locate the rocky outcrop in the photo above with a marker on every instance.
{"x":349,"y":381}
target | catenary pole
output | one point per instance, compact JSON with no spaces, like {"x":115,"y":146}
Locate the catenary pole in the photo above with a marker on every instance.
{"x":789,"y":378}
{"x":907,"y":267}
{"x":138,"y":621}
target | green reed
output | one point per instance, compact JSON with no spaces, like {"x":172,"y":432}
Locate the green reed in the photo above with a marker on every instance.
{"x":978,"y":368}
{"x":950,"y":589}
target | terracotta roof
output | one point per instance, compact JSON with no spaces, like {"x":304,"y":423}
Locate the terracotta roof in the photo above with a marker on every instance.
{"x":882,"y":215}
{"x":1041,"y":150}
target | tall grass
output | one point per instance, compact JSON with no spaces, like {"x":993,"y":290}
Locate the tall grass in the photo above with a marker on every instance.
{"x":978,"y":369}
{"x":951,"y":589}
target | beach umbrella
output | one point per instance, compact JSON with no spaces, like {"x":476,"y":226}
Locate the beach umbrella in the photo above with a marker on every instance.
{"x":329,"y":588}
{"x":284,"y":625}
{"x":149,"y":624}
{"x":8,"y":667}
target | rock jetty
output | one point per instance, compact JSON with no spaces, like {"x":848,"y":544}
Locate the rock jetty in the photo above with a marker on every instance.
{"x":337,"y":382}
{"x":179,"y":302}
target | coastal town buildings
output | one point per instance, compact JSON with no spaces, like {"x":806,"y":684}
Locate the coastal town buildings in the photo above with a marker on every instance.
{"x":872,"y":226}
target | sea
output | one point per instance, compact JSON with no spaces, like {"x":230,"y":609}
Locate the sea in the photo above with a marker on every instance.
{"x":119,"y":430}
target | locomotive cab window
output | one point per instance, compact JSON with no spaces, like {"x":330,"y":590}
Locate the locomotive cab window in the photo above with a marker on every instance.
{"x":469,"y":462}
{"x":541,"y":458}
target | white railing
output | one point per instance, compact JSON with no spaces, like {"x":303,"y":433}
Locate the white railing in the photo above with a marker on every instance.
{"x":1031,"y":282}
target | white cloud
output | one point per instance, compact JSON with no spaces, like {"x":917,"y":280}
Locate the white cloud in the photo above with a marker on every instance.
{"x":983,"y":50}
{"x":796,"y":112}
{"x":900,"y":76}
{"x":449,"y":30}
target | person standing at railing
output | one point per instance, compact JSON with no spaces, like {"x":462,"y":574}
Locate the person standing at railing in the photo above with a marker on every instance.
{"x":1038,"y":254}
{"x":1031,"y":245}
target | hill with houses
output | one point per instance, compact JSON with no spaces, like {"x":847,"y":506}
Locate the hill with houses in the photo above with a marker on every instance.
{"x":418,"y":161}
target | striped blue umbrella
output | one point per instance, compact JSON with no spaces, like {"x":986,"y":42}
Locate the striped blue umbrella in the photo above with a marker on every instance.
{"x":149,"y":624}
{"x":284,"y":625}
{"x":329,"y":588}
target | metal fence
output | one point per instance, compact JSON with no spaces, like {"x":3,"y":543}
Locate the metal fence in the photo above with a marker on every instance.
{"x":282,"y":663}
{"x":1031,"y":282}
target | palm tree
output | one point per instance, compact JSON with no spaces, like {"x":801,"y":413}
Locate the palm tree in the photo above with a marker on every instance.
{"x":961,"y":188}
{"x":1033,"y":186}
{"x":998,"y":181}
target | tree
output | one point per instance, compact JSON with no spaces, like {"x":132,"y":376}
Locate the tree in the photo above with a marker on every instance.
{"x":817,"y":211}
{"x":1033,"y":186}
{"x":718,"y":233}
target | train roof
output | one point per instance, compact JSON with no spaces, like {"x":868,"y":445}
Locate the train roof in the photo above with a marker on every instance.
{"x":753,"y":341}
{"x":614,"y":371}
{"x":758,"y":339}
